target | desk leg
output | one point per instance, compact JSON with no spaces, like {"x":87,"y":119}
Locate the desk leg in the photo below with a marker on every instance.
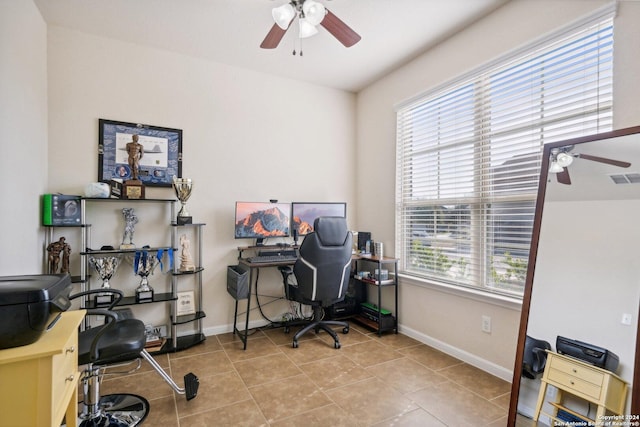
{"x":71,"y":416}
{"x":600,"y":415}
{"x":246,"y":322}
{"x":235,"y":318}
{"x":380,"y":304}
{"x":541,"y":395}
{"x":395,"y":275}
{"x":243,"y":335}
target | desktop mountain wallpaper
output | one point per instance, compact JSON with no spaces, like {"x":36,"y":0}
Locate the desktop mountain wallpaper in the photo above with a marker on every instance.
{"x":267,"y":223}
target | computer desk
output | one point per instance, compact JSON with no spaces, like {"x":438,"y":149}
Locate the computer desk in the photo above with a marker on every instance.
{"x":253,"y":277}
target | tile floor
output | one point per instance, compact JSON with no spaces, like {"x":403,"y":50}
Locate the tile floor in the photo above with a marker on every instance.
{"x":391,"y":380}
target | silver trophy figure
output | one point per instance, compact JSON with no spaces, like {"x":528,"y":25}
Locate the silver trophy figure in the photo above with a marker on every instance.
{"x":105,"y":267}
{"x":183,"y":188}
{"x":131,"y":219}
{"x":144,"y":264}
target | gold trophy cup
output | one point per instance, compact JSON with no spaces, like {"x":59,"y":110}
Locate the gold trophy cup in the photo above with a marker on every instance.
{"x":183,"y":187}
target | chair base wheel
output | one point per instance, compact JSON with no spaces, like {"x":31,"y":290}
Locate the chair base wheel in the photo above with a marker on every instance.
{"x":295,"y":344}
{"x":119,"y":410}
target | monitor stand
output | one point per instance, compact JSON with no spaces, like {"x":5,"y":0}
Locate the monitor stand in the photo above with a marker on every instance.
{"x":260,"y":241}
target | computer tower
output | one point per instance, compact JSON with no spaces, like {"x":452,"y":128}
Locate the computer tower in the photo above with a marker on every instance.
{"x":351,"y":303}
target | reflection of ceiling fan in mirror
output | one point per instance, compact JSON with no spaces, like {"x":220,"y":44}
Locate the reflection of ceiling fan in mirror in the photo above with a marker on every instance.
{"x":310,"y":14}
{"x":562,"y":157}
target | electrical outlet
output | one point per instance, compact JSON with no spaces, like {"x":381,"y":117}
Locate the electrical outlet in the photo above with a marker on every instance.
{"x":486,"y":324}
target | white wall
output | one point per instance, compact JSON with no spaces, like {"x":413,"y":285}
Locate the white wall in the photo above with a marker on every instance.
{"x":23,"y":135}
{"x":450,"y":320}
{"x":246,"y":136}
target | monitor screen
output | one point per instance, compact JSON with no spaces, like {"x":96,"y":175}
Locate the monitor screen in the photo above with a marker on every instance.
{"x":304,"y":214}
{"x":260,"y":220}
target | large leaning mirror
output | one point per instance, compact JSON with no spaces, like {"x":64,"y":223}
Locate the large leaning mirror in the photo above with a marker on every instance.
{"x":581,"y":304}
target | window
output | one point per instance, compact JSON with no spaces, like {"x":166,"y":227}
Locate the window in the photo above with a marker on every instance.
{"x":469,"y":155}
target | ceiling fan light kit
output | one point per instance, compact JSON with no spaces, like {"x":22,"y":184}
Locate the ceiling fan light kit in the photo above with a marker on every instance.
{"x":562,"y":157}
{"x":313,"y":11}
{"x":306,"y":28}
{"x":310,"y":14}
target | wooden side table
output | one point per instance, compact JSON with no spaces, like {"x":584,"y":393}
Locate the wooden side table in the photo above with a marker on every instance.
{"x":39,"y":381}
{"x":572,"y":376}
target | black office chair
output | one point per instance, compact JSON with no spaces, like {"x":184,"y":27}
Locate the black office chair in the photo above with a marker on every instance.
{"x":322,"y":274}
{"x":118,"y":342}
{"x":535,"y":357}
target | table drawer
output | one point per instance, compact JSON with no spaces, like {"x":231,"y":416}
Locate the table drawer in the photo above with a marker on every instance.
{"x":575,"y":385}
{"x":64,"y":370}
{"x":578,"y":370}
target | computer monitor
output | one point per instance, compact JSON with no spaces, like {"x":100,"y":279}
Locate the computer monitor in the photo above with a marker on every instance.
{"x":261,"y":220}
{"x":305,"y":213}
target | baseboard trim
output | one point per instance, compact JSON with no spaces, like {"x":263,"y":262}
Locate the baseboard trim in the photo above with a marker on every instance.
{"x":471,"y":359}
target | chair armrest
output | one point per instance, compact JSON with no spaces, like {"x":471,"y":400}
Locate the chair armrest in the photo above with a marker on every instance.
{"x":110,"y":316}
{"x":286,"y":271}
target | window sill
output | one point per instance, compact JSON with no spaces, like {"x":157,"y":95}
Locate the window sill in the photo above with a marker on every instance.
{"x":504,"y":301}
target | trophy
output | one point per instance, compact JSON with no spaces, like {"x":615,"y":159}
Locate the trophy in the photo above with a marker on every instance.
{"x":143,"y":266}
{"x":131,"y":219}
{"x":133,"y":188}
{"x":105,"y":267}
{"x":183,"y":187}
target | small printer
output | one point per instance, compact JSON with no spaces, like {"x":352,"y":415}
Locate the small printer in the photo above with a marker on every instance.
{"x":589,"y":353}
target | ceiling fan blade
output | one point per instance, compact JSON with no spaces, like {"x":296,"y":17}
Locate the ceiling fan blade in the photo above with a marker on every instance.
{"x":340,"y":30}
{"x":563,"y":177}
{"x":272,"y":40}
{"x":605,"y":160}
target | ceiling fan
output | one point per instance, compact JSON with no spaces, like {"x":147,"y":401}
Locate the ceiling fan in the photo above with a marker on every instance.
{"x":562,"y":157}
{"x":310,"y":14}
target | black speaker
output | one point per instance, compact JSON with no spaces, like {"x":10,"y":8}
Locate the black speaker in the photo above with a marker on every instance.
{"x":295,"y":235}
{"x":363,"y":238}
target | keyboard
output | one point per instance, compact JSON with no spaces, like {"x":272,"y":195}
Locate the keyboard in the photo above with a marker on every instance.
{"x":263,"y":258}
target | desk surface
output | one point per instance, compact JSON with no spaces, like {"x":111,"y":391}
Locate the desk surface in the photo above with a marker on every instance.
{"x":49,"y":342}
{"x":246,"y":262}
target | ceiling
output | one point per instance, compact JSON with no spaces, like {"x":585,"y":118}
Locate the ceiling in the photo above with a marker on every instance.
{"x":591,"y":180}
{"x":230,"y":32}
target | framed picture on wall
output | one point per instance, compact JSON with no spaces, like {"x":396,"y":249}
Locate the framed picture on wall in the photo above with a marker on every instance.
{"x":161,"y":154}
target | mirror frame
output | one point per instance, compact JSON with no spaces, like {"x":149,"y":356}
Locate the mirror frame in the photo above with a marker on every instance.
{"x":533,"y":252}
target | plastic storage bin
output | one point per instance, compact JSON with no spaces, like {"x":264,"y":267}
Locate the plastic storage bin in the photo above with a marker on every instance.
{"x":238,"y":281}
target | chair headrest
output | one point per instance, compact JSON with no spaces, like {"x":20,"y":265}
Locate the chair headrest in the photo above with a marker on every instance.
{"x":331,"y":230}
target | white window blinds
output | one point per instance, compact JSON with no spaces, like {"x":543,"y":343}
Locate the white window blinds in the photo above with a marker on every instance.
{"x":469,"y":154}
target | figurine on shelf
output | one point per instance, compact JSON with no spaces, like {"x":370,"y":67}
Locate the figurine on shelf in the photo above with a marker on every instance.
{"x":186,"y":260}
{"x":131,"y":220}
{"x":66,"y":253}
{"x":55,"y":249}
{"x":135,"y":151}
{"x":133,"y":188}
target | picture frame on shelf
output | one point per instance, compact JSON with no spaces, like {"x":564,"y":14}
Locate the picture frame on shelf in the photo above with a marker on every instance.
{"x":185,"y":304}
{"x":161,"y":158}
